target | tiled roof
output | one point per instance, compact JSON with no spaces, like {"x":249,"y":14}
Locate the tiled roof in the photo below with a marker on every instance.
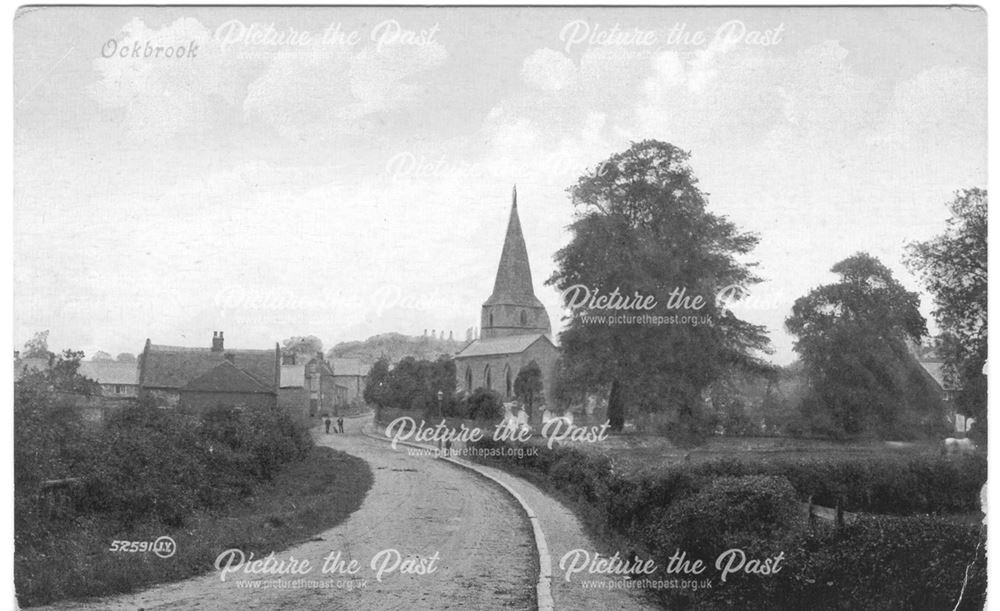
{"x":226,"y":377}
{"x":176,"y":366}
{"x":938,"y":370}
{"x":110,"y":372}
{"x":513,"y":344}
{"x":349,"y":367}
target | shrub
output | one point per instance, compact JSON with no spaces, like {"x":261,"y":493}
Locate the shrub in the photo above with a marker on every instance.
{"x":729,"y":512}
{"x":485,"y":405}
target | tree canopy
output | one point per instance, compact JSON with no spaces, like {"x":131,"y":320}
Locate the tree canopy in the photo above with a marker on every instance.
{"x":852,"y":336}
{"x":953,"y":267}
{"x":643,"y":226}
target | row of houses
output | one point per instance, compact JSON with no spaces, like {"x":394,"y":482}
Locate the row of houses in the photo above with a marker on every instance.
{"x":203,"y":377}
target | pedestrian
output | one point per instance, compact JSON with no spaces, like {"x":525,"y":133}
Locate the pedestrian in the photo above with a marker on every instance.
{"x":340,"y":423}
{"x":327,"y":422}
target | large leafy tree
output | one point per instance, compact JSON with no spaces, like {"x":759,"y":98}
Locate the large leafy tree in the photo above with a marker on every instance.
{"x":953,"y":268}
{"x":852,"y":336}
{"x":642,"y":225}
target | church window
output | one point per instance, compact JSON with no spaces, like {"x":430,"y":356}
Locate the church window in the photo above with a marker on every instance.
{"x":491,"y":319}
{"x":524,"y":318}
{"x":488,"y":377}
{"x":506,"y":375}
{"x":468,"y":378}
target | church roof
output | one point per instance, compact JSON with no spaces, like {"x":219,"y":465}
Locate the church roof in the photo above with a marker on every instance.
{"x":512,"y":344}
{"x":513,"y":281}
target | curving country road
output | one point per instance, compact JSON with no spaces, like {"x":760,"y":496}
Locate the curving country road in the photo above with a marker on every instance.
{"x":418,"y":506}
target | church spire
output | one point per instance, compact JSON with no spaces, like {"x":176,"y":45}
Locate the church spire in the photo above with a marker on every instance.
{"x":513,"y":282}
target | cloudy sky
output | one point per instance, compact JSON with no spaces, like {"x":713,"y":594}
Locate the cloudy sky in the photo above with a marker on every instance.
{"x":345,"y":172}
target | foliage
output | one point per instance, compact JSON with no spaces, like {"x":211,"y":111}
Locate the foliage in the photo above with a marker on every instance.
{"x":142,"y":464}
{"x":485,"y":405}
{"x":395,"y":346}
{"x":302,"y":345}
{"x":101,"y":355}
{"x":953,"y":267}
{"x":375,"y":386}
{"x":879,"y":562}
{"x":125,"y":357}
{"x":852,"y":338}
{"x":528,"y":386}
{"x":311,"y":496}
{"x":37,"y":346}
{"x":642,"y":226}
{"x":414,"y":384}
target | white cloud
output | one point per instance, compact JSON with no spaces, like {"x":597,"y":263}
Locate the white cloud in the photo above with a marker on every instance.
{"x":324,"y":90}
{"x":548,"y":70}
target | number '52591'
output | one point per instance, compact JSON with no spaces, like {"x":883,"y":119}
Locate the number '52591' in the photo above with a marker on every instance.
{"x":163,"y":547}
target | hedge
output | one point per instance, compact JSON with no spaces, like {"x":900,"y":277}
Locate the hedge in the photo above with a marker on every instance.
{"x":879,"y":562}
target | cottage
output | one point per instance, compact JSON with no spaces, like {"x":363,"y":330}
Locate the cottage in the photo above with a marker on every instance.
{"x":117,"y":380}
{"x":203,"y":378}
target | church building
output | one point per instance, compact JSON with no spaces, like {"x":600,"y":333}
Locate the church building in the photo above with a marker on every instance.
{"x":515,"y":327}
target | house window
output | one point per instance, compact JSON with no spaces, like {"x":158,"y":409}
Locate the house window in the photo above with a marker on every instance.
{"x":119,"y":389}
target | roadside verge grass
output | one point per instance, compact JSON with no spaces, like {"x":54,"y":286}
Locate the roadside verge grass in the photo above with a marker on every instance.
{"x":305,"y":498}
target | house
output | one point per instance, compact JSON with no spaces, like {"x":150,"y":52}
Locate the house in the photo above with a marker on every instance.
{"x":203,"y":378}
{"x":945,"y":383}
{"x":308,"y":387}
{"x":352,"y":375}
{"x":515,"y":327}
{"x":117,"y":380}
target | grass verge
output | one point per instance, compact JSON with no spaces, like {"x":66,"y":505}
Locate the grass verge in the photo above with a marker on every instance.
{"x":305,"y":498}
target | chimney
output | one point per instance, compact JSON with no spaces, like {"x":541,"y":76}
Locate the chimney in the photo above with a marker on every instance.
{"x":217,"y":341}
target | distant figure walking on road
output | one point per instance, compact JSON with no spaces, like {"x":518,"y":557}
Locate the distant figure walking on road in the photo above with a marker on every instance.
{"x":327,"y":421}
{"x":340,"y":423}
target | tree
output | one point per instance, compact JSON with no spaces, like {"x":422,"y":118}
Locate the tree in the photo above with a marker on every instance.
{"x":528,"y":386}
{"x":852,"y":336}
{"x":375,"y":387}
{"x":101,"y":355}
{"x":37,"y":346}
{"x":953,"y":268}
{"x":642,"y":226}
{"x":125,"y":357}
{"x":307,"y":346}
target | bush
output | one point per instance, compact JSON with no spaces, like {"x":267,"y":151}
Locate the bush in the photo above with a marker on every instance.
{"x":485,"y":405}
{"x":886,"y":563}
{"x":879,"y":562}
{"x":743,"y":512}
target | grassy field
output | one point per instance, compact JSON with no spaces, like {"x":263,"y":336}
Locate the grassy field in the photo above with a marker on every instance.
{"x":307,"y":497}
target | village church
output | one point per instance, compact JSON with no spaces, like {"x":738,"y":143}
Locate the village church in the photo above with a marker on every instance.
{"x":515,"y":327}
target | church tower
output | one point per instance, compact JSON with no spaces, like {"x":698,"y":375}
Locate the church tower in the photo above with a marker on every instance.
{"x":513,"y":309}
